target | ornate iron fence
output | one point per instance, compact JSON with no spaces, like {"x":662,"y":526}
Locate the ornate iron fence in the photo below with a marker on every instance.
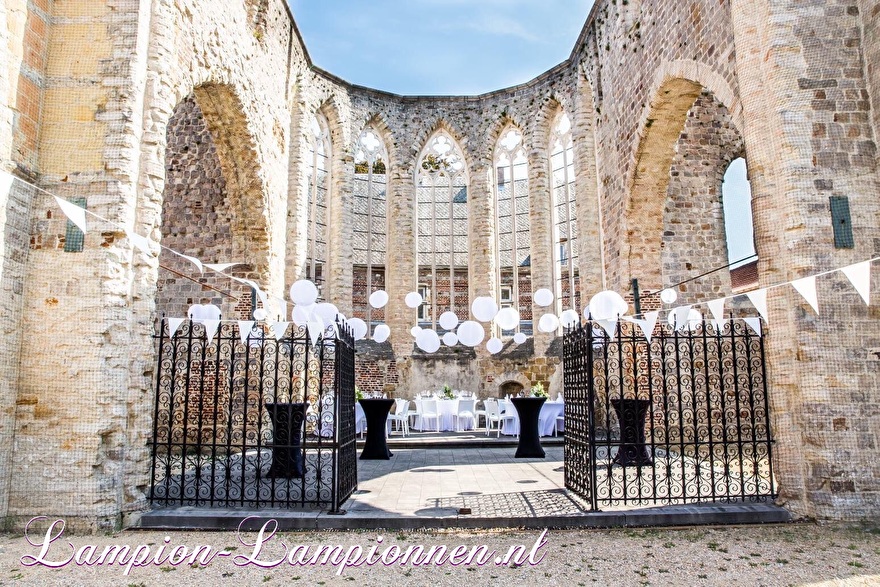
{"x":682,"y":418}
{"x":248,"y":420}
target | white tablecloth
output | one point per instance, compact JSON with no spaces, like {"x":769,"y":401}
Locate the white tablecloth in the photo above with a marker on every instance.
{"x":546,"y":419}
{"x":447,"y":409}
{"x":360,"y":419}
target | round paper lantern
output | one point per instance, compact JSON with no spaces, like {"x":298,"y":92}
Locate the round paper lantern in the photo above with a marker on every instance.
{"x":548,"y":323}
{"x":413,"y":300}
{"x":448,"y":320}
{"x":606,"y":305}
{"x":471,"y":333}
{"x":303,"y":292}
{"x":668,"y":296}
{"x":569,"y":318}
{"x":428,"y":341}
{"x":415,"y":331}
{"x":200,"y":312}
{"x":507,"y":318}
{"x":381,"y":333}
{"x":260,"y":314}
{"x":378,"y":299}
{"x":494,"y":345}
{"x":301,"y":314}
{"x":358,"y":328}
{"x":450,"y":339}
{"x":326,"y":312}
{"x":484,"y":308}
{"x":543,"y":297}
{"x":519,"y":338}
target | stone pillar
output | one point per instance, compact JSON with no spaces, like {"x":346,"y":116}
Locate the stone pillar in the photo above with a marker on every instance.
{"x":869,"y":11}
{"x":481,"y":233}
{"x":400,"y":258}
{"x":339,"y":230}
{"x":821,"y":375}
{"x":541,"y":224}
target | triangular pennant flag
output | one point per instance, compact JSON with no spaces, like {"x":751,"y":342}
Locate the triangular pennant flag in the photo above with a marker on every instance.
{"x":244,"y":329}
{"x":860,"y":276}
{"x":220,"y":267}
{"x":315,"y":327}
{"x":807,"y":288}
{"x":647,"y":325}
{"x":278,"y":329}
{"x":73,"y":212}
{"x":754,"y":323}
{"x":758,"y":298}
{"x":610,"y":326}
{"x":264,"y":298}
{"x":141,"y":242}
{"x":716,"y":307}
{"x":192,"y":260}
{"x":5,"y":182}
{"x":678,"y":318}
{"x":174,"y":324}
{"x":211,"y":327}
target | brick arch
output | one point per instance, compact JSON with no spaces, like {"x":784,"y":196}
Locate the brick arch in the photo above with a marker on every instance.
{"x":512,"y":377}
{"x":661,"y":127}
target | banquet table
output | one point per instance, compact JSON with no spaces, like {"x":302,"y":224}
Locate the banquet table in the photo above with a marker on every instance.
{"x":360,"y":419}
{"x":546,"y":419}
{"x":447,"y":409}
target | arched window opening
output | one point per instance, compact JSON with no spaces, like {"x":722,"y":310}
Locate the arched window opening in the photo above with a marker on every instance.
{"x":565,"y":245}
{"x":318,"y":176}
{"x":512,"y":241}
{"x":442,"y":233}
{"x":736,"y":198}
{"x":369,"y":229}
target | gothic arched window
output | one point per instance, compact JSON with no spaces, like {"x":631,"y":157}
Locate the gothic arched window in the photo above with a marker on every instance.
{"x":565,"y":245}
{"x":318,"y":176}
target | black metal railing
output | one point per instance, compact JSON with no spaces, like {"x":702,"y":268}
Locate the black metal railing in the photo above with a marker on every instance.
{"x":682,"y":418}
{"x":249,"y":420}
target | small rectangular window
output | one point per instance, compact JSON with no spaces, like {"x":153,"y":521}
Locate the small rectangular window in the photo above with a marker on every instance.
{"x":841,"y":223}
{"x":74,"y":239}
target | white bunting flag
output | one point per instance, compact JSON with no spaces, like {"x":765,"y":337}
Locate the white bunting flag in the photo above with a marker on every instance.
{"x":73,"y":212}
{"x":278,"y":329}
{"x":315,"y":327}
{"x":220,"y":267}
{"x":860,"y":276}
{"x":173,"y":325}
{"x":244,"y":329}
{"x":264,"y":298}
{"x":5,"y":182}
{"x":192,"y":260}
{"x":141,"y":242}
{"x":807,"y":288}
{"x":211,"y":327}
{"x":610,"y":326}
{"x":758,"y":298}
{"x":716,"y":307}
{"x":680,"y":316}
{"x":754,"y":323}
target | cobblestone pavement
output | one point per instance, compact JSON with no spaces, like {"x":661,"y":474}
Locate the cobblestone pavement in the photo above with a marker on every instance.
{"x":794,"y":554}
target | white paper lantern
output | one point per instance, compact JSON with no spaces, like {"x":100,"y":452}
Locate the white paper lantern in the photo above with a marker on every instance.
{"x":448,"y":320}
{"x":301,"y":314}
{"x":415,"y":331}
{"x":413,"y":299}
{"x":543,"y":297}
{"x":381,"y":333}
{"x":428,"y":341}
{"x":668,"y":296}
{"x":378,"y":299}
{"x":494,"y":345}
{"x":507,"y":318}
{"x":450,"y":339}
{"x":606,"y":305}
{"x":471,"y":333}
{"x":303,"y":292}
{"x":548,"y":323}
{"x":484,"y":308}
{"x":260,"y":314}
{"x":327,"y":312}
{"x":519,"y":338}
{"x":358,"y":328}
{"x":569,"y":318}
{"x":201,"y":312}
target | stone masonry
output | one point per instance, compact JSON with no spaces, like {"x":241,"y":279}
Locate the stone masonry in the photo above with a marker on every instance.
{"x":188,"y":125}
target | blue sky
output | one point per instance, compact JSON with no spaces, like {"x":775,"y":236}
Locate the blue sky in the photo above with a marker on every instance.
{"x":465,"y":47}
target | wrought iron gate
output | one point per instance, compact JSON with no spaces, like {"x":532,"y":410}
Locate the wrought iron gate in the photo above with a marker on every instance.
{"x":245,"y":419}
{"x":682,"y":418}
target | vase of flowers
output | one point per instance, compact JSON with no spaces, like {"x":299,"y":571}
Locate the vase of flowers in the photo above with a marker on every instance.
{"x":538,"y":390}
{"x":358,"y":394}
{"x":447,"y":392}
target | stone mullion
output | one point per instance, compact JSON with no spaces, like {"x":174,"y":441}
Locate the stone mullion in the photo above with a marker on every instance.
{"x":541,"y":227}
{"x":339,"y":233}
{"x":400,"y":257}
{"x":590,"y":258}
{"x":297,"y":197}
{"x":481,"y":245}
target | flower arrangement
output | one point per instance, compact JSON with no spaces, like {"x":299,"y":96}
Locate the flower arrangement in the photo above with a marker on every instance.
{"x":538,"y":390}
{"x":447,"y":392}
{"x":358,"y":394}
